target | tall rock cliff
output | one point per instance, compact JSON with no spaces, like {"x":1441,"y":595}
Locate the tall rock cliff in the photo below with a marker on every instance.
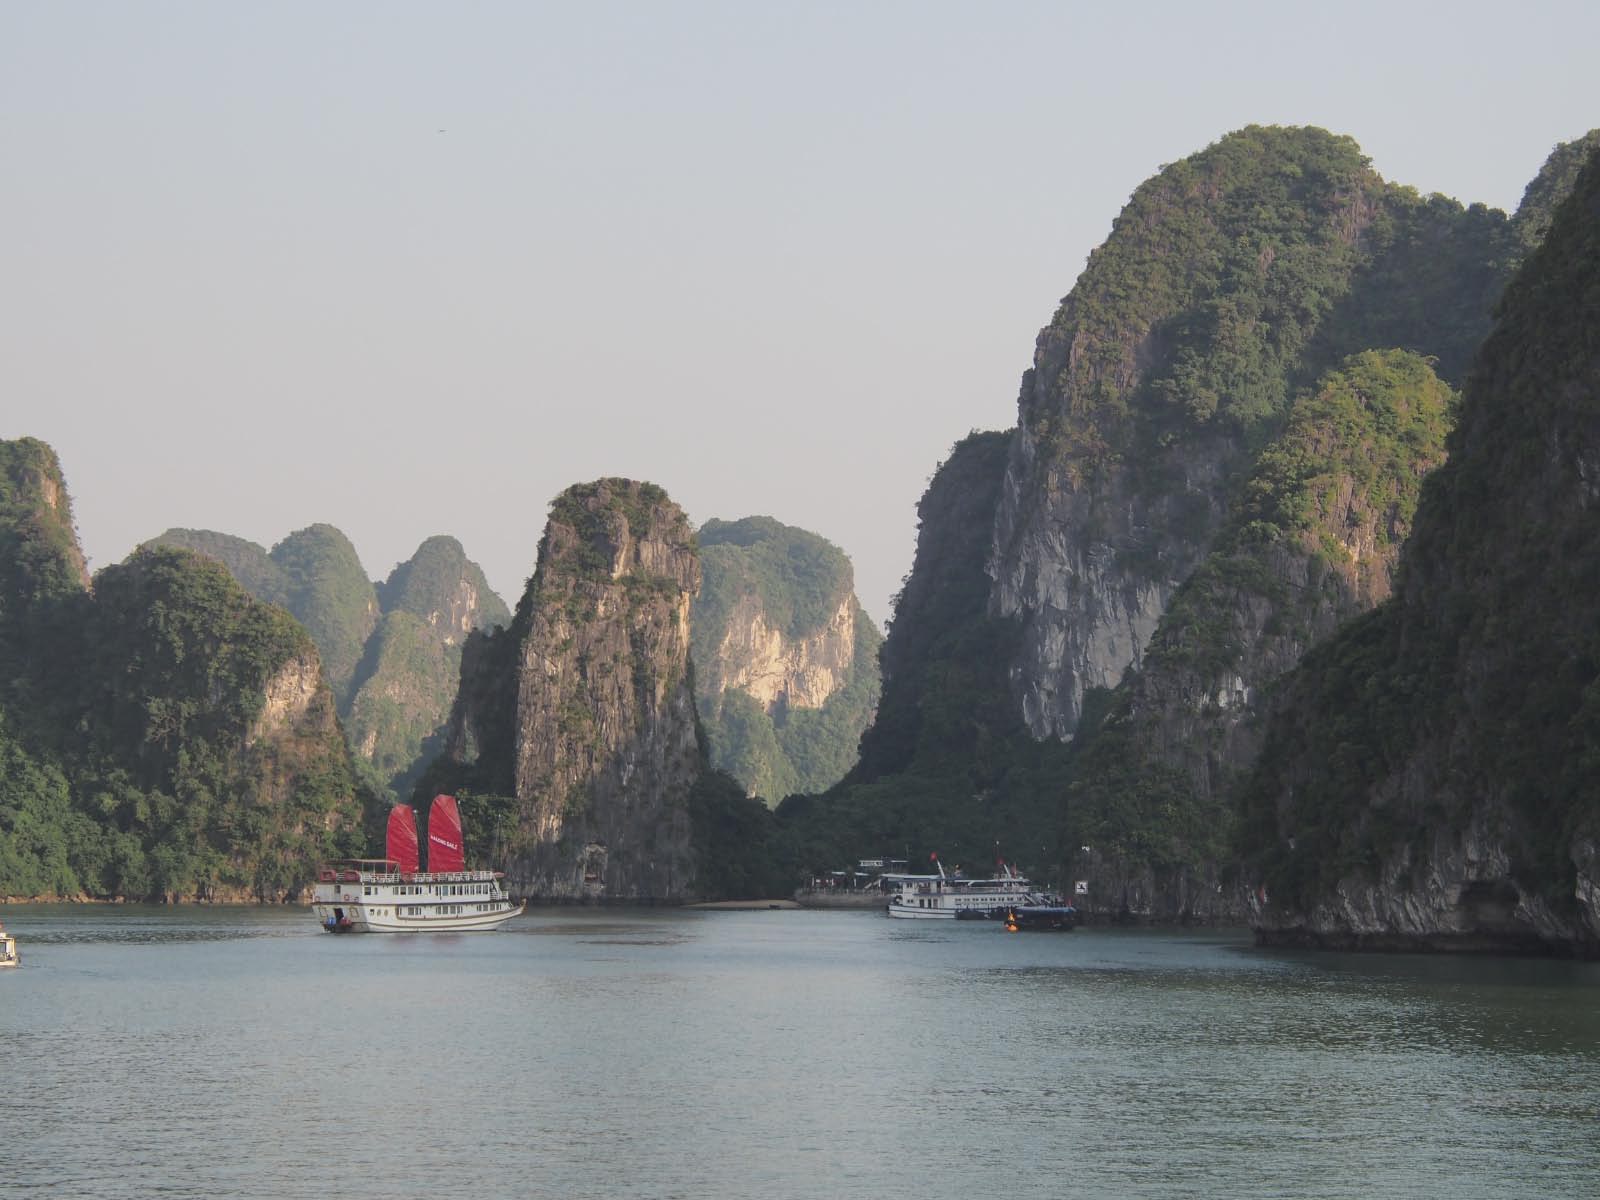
{"x":1230,"y":280}
{"x":1429,"y":778}
{"x":785,"y":657}
{"x":1231,"y":286}
{"x":1312,"y":542}
{"x":947,"y":765}
{"x":581,"y":714}
{"x":40,"y":559}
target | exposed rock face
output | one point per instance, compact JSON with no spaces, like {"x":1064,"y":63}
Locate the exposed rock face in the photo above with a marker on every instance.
{"x":291,"y":694}
{"x":1428,"y":779}
{"x":402,"y":689}
{"x":602,"y":753}
{"x":1230,"y":281}
{"x":785,"y":658}
{"x":445,"y":590}
{"x":1314,"y":542}
{"x":1087,"y":612}
{"x":777,"y":673}
{"x":1130,"y":427}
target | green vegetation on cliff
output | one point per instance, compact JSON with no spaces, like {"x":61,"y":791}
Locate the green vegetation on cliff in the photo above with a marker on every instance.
{"x":766,"y":632}
{"x":392,"y":652}
{"x":1312,"y":540}
{"x":173,"y":739}
{"x":440,"y":579}
{"x":316,"y":574}
{"x":1167,"y":416}
{"x":798,"y":577}
{"x":1472,"y":699}
{"x":948,"y":764}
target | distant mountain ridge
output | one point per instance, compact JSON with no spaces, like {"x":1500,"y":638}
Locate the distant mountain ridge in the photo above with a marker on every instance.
{"x":392,"y":650}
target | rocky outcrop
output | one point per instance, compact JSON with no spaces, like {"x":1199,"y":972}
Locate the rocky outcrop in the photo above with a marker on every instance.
{"x":445,"y":590}
{"x":1428,"y":776}
{"x":754,"y":657}
{"x":1180,"y":338}
{"x":785,"y":658}
{"x":1229,"y":283}
{"x":1313,"y":542}
{"x":177,"y":741}
{"x":403,"y":687}
{"x":601,"y":751}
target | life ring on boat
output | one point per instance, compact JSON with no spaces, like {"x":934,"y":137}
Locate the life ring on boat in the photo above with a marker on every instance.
{"x":349,"y":899}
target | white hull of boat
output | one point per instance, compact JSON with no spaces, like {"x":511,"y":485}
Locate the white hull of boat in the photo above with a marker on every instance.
{"x":382,"y":918}
{"x":906,"y":913}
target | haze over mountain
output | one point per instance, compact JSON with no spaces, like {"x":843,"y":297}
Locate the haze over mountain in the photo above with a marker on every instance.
{"x":659,"y":242}
{"x":391,"y":651}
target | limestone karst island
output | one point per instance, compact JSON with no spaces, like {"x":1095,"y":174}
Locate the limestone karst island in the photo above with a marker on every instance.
{"x":1278,"y":607}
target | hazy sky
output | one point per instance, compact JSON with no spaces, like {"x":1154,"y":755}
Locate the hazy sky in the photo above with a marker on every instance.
{"x":415,"y":268}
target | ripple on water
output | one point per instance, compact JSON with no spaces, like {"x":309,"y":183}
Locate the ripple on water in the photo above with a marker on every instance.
{"x":607,"y":1054}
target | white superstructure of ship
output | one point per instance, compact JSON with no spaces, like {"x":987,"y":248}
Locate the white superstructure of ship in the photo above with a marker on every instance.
{"x":390,"y":894}
{"x":944,"y":897}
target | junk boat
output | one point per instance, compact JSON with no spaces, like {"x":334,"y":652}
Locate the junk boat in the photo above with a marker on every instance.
{"x":8,"y":951}
{"x":948,"y":897}
{"x":390,"y":894}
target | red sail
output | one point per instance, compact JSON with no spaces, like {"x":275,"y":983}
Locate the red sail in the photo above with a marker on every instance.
{"x":402,"y":845}
{"x":444,"y":836}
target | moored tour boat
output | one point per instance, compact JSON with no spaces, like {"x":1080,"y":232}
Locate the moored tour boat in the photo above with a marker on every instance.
{"x":9,"y":956}
{"x":949,"y":897}
{"x":390,"y":894}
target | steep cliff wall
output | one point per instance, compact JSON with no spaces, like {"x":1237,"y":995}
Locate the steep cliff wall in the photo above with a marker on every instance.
{"x":1230,"y":281}
{"x":947,"y":765}
{"x":785,"y":658}
{"x":1313,"y":541}
{"x":602,"y":753}
{"x":1428,"y":779}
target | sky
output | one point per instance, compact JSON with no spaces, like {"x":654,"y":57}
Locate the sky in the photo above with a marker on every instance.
{"x":412,"y":269}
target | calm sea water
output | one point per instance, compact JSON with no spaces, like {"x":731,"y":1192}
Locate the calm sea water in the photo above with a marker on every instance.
{"x":215,"y":1053}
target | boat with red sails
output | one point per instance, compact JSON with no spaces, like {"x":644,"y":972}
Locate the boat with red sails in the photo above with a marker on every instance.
{"x":393,"y":895}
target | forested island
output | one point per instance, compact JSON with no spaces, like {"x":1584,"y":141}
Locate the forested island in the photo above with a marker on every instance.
{"x":1272,"y":608}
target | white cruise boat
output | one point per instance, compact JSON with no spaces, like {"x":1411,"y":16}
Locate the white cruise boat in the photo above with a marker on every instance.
{"x":944,"y":897}
{"x":390,"y":895}
{"x":8,"y":950}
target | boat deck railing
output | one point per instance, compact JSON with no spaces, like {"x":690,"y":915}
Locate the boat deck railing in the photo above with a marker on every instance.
{"x":385,"y":871}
